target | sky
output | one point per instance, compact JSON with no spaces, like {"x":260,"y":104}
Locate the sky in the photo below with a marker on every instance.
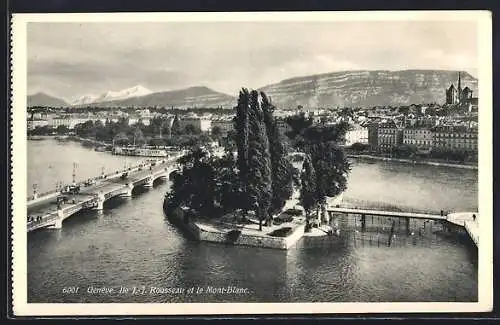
{"x":70,"y":60}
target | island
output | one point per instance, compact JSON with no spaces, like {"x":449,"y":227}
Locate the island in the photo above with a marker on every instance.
{"x":254,"y":191}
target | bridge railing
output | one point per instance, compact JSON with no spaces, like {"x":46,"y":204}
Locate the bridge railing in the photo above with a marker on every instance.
{"x":375,"y":205}
{"x":38,"y":220}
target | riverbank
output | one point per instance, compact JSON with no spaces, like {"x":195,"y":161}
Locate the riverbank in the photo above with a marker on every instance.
{"x":410,"y":161}
{"x":89,"y":141}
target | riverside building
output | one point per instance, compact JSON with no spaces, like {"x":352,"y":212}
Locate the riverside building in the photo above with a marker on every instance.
{"x":455,"y":137}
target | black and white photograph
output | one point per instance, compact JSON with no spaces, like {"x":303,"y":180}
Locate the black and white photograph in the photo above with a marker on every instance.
{"x":201,"y":163}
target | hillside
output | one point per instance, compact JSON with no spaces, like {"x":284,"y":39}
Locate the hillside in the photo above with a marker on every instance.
{"x":189,"y":97}
{"x":41,"y":99}
{"x":367,"y":88}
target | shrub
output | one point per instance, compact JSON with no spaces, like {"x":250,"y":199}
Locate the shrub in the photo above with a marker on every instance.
{"x":294,"y":212}
{"x":282,"y":232}
{"x":233,"y":235}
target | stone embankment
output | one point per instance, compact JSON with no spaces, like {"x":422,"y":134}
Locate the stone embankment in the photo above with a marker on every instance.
{"x":238,"y":234}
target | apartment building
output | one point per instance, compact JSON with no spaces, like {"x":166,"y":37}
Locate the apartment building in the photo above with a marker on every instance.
{"x":389,"y":135}
{"x":420,"y":137}
{"x":455,"y":137}
{"x":358,"y":134}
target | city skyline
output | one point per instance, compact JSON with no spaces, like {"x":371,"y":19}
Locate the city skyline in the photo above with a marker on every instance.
{"x":69,"y":60}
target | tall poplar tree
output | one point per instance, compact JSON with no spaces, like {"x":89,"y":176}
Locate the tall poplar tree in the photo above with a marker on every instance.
{"x":308,"y":198}
{"x":176,"y":127}
{"x":241,"y":127}
{"x":281,"y":168}
{"x":259,"y":163}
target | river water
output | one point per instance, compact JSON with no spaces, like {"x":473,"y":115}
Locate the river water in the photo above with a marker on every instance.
{"x":132,"y":246}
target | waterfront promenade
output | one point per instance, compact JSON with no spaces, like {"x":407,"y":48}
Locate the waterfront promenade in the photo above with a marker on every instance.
{"x":44,"y":211}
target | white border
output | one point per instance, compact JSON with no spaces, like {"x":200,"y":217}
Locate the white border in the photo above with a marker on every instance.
{"x":19,"y":168}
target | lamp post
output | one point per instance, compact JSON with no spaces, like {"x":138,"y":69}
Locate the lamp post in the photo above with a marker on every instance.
{"x":58,"y":185}
{"x":74,"y":173}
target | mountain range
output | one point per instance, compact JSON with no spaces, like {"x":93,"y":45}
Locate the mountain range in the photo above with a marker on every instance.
{"x":368,"y":88}
{"x":41,"y":99}
{"x":136,"y":91}
{"x":345,"y":88}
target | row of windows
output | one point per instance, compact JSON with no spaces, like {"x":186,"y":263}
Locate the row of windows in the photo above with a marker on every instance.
{"x":413,"y":137}
{"x":418,"y":131}
{"x":456,"y":139}
{"x":418,"y":142}
{"x":456,"y":145}
{"x":456,"y":135}
{"x":387,"y":142}
{"x":387,"y":131}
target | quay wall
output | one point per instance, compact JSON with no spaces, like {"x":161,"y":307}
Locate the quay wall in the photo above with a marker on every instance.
{"x":202,"y":232}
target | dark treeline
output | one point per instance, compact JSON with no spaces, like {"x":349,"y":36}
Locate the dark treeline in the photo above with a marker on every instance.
{"x":160,"y":132}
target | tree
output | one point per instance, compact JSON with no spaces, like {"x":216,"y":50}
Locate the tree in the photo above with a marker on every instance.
{"x":216,"y":132}
{"x":62,"y":129}
{"x":346,"y":113}
{"x":191,"y":129}
{"x":226,"y":178}
{"x":308,"y":189}
{"x":157,"y":142}
{"x":298,"y":124}
{"x":176,"y":127}
{"x":194,"y":187}
{"x":85,"y":129}
{"x":329,"y":161}
{"x":281,"y":168}
{"x":205,"y":184}
{"x":121,"y":139}
{"x":405,"y":110}
{"x":241,"y":134}
{"x":138,"y":136}
{"x":259,"y":179}
{"x":405,"y":151}
{"x":359,"y":147}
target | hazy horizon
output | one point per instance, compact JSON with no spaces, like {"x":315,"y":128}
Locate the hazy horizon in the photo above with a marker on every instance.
{"x":71,"y":60}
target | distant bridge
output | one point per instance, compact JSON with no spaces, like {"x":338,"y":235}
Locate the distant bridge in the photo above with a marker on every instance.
{"x":382,"y":213}
{"x":45,"y":212}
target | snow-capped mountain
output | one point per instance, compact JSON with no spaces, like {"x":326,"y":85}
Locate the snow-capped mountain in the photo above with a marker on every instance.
{"x":135,"y":91}
{"x":87,"y":99}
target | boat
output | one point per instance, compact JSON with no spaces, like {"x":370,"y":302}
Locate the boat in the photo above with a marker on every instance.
{"x":139,"y":151}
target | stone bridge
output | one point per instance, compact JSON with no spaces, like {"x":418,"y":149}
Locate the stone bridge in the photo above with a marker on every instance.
{"x":46,"y":212}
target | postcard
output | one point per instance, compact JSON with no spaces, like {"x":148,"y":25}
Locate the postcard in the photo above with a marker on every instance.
{"x":252,"y":163}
